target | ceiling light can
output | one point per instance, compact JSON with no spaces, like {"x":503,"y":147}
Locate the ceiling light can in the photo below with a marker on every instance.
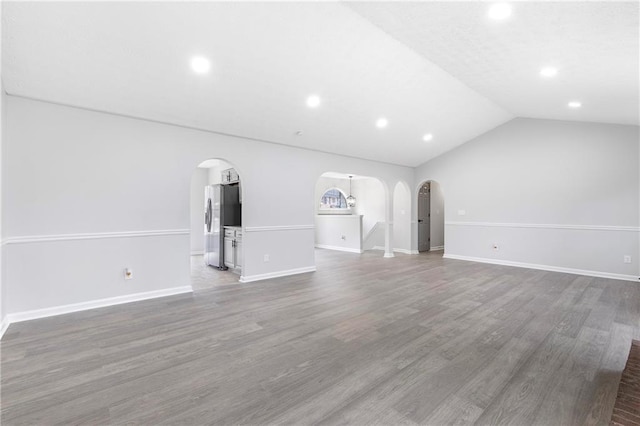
{"x":313,"y":101}
{"x":499,"y":11}
{"x":548,"y":72}
{"x":200,"y":64}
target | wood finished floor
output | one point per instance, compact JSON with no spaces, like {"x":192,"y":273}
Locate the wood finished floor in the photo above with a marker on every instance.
{"x":402,"y":341}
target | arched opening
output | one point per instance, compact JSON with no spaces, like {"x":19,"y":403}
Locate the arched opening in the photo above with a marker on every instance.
{"x":343,"y":227}
{"x":430,"y":227}
{"x":216,"y":224}
{"x":402,"y":218}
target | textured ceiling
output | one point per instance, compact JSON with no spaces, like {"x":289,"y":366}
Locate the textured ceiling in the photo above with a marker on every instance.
{"x":594,"y":45}
{"x":426,"y":67}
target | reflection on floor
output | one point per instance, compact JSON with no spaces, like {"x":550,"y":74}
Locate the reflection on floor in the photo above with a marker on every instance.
{"x":204,"y":277}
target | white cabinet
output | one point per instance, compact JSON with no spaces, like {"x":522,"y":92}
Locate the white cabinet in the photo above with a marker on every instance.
{"x":229,"y":176}
{"x":233,"y":248}
{"x":229,"y":252}
{"x":238,"y":252}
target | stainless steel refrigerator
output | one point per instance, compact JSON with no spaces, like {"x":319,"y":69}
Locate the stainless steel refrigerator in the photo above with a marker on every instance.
{"x":222,"y":208}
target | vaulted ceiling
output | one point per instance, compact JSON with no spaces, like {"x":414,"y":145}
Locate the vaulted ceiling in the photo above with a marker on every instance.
{"x":439,"y":68}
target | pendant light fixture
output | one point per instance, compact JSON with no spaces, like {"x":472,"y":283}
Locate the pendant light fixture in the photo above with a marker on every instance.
{"x":351,"y":200}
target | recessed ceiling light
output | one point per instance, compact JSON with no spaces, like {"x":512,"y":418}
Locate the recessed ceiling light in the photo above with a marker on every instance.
{"x":313,"y":101}
{"x":574,"y":104}
{"x":499,"y":11}
{"x":381,"y":123}
{"x":200,"y":64}
{"x":427,"y":137}
{"x":548,"y":71}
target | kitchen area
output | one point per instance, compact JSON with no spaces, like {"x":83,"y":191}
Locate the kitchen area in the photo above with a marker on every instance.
{"x":216,"y":253}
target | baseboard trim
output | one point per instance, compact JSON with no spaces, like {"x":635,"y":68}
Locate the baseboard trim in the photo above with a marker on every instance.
{"x":285,"y":273}
{"x":404,"y":251}
{"x":550,"y":268}
{"x":197,"y":253}
{"x":93,"y":304}
{"x":436,"y":248}
{"x":3,"y":326}
{"x":338,"y":248}
{"x":395,"y":250}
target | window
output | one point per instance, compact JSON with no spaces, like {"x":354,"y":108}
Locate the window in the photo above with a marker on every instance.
{"x":333,"y":199}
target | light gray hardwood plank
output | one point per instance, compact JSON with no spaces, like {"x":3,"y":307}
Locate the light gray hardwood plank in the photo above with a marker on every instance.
{"x":364,"y":340}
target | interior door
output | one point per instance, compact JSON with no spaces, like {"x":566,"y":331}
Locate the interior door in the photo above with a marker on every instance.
{"x":424,"y":214}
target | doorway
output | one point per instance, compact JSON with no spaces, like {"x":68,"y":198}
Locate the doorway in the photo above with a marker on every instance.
{"x":350,"y":213}
{"x":424,"y":215}
{"x":216,"y":225}
{"x":430,"y":217}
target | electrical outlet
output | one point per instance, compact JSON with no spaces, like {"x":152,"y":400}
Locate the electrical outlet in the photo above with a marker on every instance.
{"x":627,"y":259}
{"x":495,"y":246}
{"x":128,"y":274}
{"x":266,"y":258}
{"x":462,"y":212}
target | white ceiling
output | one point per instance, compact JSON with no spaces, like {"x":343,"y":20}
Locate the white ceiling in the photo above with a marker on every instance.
{"x":461,"y":77}
{"x":336,"y":175}
{"x":594,"y":45}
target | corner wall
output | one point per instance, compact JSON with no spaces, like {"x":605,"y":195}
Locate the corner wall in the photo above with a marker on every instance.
{"x":87,"y":194}
{"x":436,"y":223}
{"x":3,"y":322}
{"x":550,"y":194}
{"x":199,"y":180}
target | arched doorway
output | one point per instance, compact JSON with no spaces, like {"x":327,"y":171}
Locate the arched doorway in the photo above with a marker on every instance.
{"x":354,"y":227}
{"x":430,"y":217}
{"x":216,"y":224}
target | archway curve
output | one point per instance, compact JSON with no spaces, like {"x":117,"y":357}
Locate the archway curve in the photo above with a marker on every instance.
{"x":372,"y":205}
{"x":206,"y":173}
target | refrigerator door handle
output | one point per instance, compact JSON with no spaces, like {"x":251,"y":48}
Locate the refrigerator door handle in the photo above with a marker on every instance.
{"x":208,"y":215}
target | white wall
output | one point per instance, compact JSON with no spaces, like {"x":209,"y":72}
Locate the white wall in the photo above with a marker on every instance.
{"x":199,"y":180}
{"x":339,"y":232}
{"x":86,"y":194}
{"x":370,"y":202}
{"x":2,"y":129}
{"x":556,"y":194}
{"x":402,"y":218}
{"x":436,"y":223}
